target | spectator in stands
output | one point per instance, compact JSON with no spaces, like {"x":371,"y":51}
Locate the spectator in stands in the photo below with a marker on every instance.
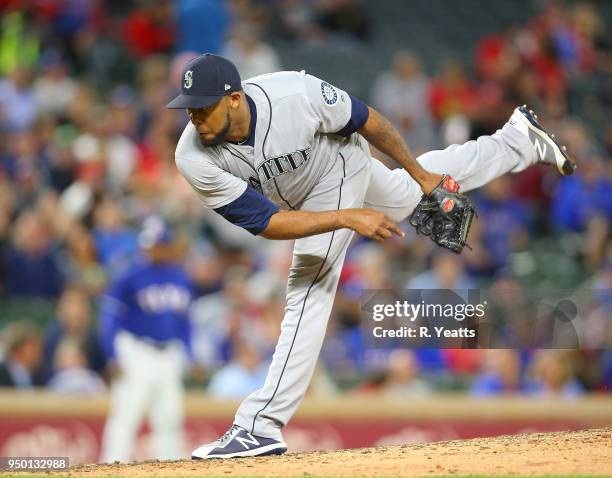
{"x":265,"y":293}
{"x":61,"y":172}
{"x":345,"y":347}
{"x":596,"y":326}
{"x":504,"y":221}
{"x":80,"y":108}
{"x":401,"y":95}
{"x":245,"y":373}
{"x":117,"y":129}
{"x":251,"y":55}
{"x":18,"y":105}
{"x":81,"y":261}
{"x":447,"y":272}
{"x":368,"y":268}
{"x":201,"y":25}
{"x":19,"y":44}
{"x":72,"y":376}
{"x":501,"y":374}
{"x":343,"y":20}
{"x":452,"y":93}
{"x":149,"y":29}
{"x":115,"y":241}
{"x":74,"y":322}
{"x":88,"y":150}
{"x":293,"y":20}
{"x":220,"y":319}
{"x":23,"y":344}
{"x":69,"y":18}
{"x":25,"y":164}
{"x":58,"y":222}
{"x":583,"y":197}
{"x":54,"y":88}
{"x":551,"y":374}
{"x":541,"y":55}
{"x":496,"y":57}
{"x":463,"y":363}
{"x":403,"y":376}
{"x":32,"y":260}
{"x":583,"y":203}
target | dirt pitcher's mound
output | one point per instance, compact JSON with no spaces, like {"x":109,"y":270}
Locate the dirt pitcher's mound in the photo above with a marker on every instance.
{"x":587,"y":452}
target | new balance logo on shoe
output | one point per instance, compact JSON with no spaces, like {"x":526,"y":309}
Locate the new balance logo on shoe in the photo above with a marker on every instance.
{"x":243,"y":441}
{"x":540,"y":148}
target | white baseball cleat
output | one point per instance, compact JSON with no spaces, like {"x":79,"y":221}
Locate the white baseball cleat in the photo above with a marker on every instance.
{"x":238,"y":443}
{"x":546,"y":146}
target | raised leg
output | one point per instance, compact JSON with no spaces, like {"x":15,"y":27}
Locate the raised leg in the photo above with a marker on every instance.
{"x":472,"y":165}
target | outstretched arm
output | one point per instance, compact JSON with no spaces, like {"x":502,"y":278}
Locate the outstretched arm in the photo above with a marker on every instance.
{"x":296,"y":224}
{"x":381,"y":134}
{"x":258,"y":215}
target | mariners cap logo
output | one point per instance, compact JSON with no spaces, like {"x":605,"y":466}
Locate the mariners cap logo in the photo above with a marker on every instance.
{"x":188,"y":79}
{"x":330,"y":96}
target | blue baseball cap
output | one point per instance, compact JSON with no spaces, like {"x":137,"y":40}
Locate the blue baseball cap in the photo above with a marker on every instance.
{"x":206,"y":79}
{"x":155,"y":231}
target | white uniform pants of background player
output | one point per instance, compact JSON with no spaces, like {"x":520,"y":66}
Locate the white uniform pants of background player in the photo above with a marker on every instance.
{"x":357,"y":180}
{"x":150,"y":383}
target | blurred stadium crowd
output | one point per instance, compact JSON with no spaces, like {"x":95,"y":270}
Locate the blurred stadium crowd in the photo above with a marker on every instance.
{"x":86,"y":154}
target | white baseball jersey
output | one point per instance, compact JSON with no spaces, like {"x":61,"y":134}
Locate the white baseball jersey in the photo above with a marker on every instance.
{"x":300,"y":124}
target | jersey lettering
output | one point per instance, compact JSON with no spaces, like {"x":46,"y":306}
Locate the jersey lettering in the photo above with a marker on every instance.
{"x":285,"y":163}
{"x":162,"y":298}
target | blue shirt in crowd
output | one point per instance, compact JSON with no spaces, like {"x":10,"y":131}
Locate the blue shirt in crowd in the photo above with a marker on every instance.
{"x":202,"y":25}
{"x":33,"y":275}
{"x":502,"y":220}
{"x":576,"y":202}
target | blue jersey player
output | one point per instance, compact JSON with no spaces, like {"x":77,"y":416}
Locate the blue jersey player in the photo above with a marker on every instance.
{"x":146,"y":336}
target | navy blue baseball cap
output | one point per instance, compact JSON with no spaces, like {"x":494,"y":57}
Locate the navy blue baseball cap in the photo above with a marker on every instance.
{"x":206,"y":79}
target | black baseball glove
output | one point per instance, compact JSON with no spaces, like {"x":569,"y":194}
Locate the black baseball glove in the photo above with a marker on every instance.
{"x":444,"y":215}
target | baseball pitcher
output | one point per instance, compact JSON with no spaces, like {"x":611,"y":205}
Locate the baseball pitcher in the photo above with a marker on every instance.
{"x":285,"y":155}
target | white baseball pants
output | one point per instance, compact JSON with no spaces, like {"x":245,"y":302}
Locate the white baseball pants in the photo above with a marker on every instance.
{"x":150,"y":383}
{"x":357,"y":180}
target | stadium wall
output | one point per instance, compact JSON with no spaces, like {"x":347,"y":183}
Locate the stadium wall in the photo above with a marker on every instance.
{"x":42,"y":424}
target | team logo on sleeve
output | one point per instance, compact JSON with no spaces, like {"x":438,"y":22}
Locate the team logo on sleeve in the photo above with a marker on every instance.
{"x":330,"y":95}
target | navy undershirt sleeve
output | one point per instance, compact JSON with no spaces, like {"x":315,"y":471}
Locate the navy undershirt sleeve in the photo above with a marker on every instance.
{"x":251,"y":211}
{"x":359,"y":116}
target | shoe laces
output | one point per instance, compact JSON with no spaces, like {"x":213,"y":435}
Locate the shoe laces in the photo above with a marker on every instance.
{"x":228,"y":434}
